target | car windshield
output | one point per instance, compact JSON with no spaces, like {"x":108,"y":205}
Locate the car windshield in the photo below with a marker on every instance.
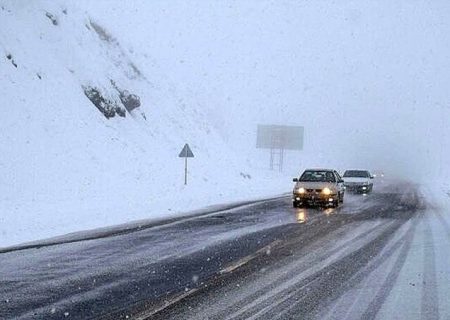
{"x":317,"y":176}
{"x":356,"y":174}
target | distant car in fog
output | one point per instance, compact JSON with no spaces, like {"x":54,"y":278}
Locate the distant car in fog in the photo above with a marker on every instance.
{"x":378,"y":174}
{"x":323,"y":187}
{"x":358,"y":181}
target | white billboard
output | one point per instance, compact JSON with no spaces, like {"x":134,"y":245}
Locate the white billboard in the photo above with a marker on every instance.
{"x":280,"y":137}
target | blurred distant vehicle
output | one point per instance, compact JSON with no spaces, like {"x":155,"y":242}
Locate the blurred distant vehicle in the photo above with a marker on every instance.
{"x":359,"y":181}
{"x":378,"y":174}
{"x":323,"y":187}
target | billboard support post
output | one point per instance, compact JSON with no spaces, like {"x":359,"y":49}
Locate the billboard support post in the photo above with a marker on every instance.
{"x":277,"y":139}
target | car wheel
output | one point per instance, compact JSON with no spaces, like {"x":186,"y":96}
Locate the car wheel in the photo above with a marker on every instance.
{"x":341,"y":198}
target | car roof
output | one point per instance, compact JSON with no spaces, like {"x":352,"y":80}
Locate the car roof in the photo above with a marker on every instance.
{"x":319,"y":169}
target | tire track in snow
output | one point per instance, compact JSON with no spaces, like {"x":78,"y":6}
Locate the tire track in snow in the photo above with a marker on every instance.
{"x":430,"y":297}
{"x":350,"y":304}
{"x":383,"y":292}
{"x":305,"y":299}
{"x":444,"y":223}
{"x":268,"y":297}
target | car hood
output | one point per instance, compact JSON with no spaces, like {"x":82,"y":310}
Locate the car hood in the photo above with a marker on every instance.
{"x":357,"y":180}
{"x":314,"y":185}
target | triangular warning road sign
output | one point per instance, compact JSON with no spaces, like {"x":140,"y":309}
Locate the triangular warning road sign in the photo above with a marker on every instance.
{"x":186,"y":152}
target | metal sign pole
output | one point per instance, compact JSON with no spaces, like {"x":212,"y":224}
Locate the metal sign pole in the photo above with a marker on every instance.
{"x":281,"y":159}
{"x":271,"y":158}
{"x":185,"y":171}
{"x":185,"y":153}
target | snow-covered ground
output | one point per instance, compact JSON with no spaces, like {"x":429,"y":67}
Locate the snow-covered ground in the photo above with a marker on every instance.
{"x":66,"y":167}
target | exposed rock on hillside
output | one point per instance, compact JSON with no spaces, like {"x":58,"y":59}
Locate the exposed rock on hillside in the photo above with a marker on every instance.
{"x":107,"y":107}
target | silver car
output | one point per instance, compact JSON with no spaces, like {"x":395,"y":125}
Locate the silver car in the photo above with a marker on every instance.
{"x":359,"y":181}
{"x":322,"y":187}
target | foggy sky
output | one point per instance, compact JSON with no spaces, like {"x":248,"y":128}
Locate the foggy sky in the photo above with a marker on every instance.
{"x":369,"y":80}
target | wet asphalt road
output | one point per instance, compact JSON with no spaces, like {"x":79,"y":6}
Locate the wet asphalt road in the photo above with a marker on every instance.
{"x":262,"y":261}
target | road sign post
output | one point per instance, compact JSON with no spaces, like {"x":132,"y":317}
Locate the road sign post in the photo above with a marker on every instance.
{"x":186,"y":153}
{"x":185,"y":171}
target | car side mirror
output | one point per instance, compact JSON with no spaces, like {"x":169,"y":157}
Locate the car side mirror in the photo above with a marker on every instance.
{"x":295,"y":180}
{"x":341,"y":181}
{"x":371,"y":177}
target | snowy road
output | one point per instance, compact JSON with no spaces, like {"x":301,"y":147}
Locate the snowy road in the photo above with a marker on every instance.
{"x":375,"y":257}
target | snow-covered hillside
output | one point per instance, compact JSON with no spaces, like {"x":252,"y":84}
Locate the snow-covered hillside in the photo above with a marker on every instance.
{"x":68,"y":165}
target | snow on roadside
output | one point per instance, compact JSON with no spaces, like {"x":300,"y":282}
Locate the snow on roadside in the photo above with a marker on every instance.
{"x":65,"y":167}
{"x":54,"y":218}
{"x":422,"y":288}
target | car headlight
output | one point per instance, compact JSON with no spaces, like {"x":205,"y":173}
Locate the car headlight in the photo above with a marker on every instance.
{"x":326,"y":191}
{"x":300,"y":190}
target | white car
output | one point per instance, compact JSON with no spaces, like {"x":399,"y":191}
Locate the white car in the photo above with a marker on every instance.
{"x":359,"y":181}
